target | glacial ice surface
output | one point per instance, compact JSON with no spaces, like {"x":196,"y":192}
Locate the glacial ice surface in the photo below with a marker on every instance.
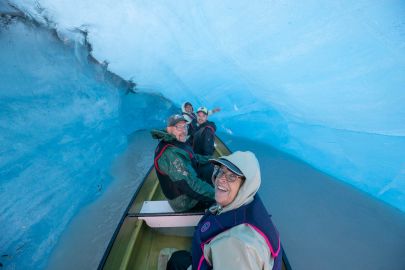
{"x":323,"y":81}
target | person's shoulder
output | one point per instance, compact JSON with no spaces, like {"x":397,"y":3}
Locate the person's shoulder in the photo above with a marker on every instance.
{"x":245,"y":234}
{"x":212,"y":124}
{"x":241,"y":238}
{"x":188,"y":118}
{"x":242,"y":230}
{"x":209,"y":127}
{"x":176,"y":151}
{"x":162,"y":135}
{"x":238,"y":242}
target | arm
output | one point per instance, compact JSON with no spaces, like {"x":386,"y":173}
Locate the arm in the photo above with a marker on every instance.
{"x":178,"y":167}
{"x":239,"y":248}
{"x":210,"y":112}
{"x":188,"y":118}
{"x":202,"y":159}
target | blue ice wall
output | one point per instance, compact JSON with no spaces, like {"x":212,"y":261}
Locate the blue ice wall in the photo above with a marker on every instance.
{"x":323,"y":80}
{"x":63,"y":120}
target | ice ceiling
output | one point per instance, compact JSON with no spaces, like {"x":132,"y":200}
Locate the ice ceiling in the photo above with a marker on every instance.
{"x":323,"y":81}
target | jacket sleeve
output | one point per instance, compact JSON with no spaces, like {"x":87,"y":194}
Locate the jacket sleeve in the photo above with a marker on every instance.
{"x":208,"y":143}
{"x":188,"y":118}
{"x":239,"y":248}
{"x":174,"y":164}
{"x":202,"y":159}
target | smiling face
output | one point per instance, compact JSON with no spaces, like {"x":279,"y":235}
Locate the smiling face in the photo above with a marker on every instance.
{"x":227,"y":185}
{"x":179,"y":131}
{"x":201,"y":118}
{"x":189,"y":108}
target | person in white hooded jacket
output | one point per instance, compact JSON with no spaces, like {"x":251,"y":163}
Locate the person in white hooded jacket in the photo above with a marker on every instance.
{"x":237,"y":232}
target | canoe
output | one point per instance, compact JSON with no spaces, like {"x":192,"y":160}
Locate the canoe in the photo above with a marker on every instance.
{"x":137,"y":245}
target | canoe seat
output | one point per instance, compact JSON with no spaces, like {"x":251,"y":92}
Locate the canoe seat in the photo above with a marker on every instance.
{"x":159,"y":214}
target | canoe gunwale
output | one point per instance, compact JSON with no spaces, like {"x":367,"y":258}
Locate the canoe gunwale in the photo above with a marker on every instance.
{"x":123,"y":217}
{"x":132,"y":215}
{"x":135,"y":215}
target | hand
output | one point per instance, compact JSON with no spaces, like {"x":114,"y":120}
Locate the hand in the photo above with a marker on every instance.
{"x":216,"y":110}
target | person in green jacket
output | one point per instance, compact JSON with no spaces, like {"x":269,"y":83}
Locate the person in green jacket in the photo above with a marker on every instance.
{"x":177,"y":168}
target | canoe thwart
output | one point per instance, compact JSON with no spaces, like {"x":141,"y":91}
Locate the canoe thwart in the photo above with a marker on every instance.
{"x":159,"y":214}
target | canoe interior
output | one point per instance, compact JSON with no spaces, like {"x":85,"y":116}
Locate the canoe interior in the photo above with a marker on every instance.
{"x":137,"y":246}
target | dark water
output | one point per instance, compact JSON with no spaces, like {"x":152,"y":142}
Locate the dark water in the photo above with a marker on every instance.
{"x":84,"y":242}
{"x":324,"y":224}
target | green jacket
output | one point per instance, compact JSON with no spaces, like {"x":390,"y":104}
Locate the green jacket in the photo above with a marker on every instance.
{"x":186,"y":188}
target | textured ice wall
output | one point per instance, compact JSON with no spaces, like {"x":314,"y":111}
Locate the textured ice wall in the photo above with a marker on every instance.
{"x":321,"y":80}
{"x":63,"y":120}
{"x":59,"y":132}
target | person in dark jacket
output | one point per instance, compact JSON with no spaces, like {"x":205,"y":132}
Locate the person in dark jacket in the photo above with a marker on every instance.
{"x":203,"y":143}
{"x":176,"y":167}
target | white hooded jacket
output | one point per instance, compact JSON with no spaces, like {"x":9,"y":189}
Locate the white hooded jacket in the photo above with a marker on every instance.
{"x":240,"y":247}
{"x":186,"y":115}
